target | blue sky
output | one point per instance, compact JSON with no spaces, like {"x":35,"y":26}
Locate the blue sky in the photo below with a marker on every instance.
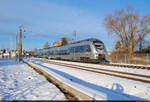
{"x":49,"y":20}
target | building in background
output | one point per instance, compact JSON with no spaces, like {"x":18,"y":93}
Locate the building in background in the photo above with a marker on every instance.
{"x":57,"y":43}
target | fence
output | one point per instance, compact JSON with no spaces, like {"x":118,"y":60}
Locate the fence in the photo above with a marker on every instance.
{"x":137,"y":58}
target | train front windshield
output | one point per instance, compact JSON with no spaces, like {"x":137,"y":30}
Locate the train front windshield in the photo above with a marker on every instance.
{"x":98,"y":45}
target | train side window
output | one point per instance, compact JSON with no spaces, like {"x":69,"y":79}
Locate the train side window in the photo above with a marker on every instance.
{"x":65,"y":52}
{"x":81,"y":49}
{"x":77,"y":49}
{"x":68,"y":51}
{"x":87,"y":48}
{"x":51,"y":52}
{"x":72,"y":50}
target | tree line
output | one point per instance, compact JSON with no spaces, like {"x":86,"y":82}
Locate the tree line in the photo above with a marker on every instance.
{"x":129,"y":27}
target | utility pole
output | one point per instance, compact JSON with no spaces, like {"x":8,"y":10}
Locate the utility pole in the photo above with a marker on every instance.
{"x":75,"y":34}
{"x":20,"y":43}
{"x":16,"y":46}
{"x":16,"y":42}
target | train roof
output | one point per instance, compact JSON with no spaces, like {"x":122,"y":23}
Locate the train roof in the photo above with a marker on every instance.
{"x":89,"y":39}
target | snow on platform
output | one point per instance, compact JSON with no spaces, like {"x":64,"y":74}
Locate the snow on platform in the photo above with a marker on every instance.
{"x":20,"y":82}
{"x":97,"y":86}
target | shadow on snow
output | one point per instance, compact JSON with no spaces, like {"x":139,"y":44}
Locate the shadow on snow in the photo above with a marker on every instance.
{"x":7,"y":62}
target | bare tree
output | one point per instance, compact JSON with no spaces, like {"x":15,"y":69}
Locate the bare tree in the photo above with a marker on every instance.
{"x":118,"y":46}
{"x":64,"y":41}
{"x":128,"y":26}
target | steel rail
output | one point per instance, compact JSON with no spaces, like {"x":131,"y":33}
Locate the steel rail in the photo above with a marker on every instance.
{"x":127,"y":66}
{"x":91,"y":70}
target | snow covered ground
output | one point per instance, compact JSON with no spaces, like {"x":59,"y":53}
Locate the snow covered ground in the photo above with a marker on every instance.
{"x":20,"y":82}
{"x":98,"y":86}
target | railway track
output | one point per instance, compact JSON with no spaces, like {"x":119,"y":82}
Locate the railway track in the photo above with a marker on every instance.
{"x":126,"y":75}
{"x":128,"y":66}
{"x":116,"y":65}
